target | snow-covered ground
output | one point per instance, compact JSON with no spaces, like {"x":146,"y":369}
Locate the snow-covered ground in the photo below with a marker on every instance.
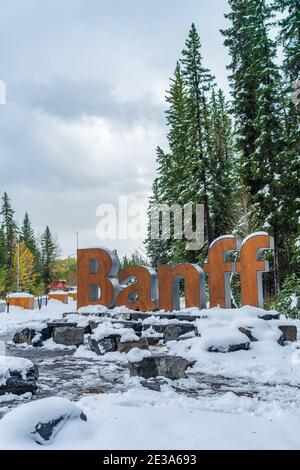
{"x":247,"y":399}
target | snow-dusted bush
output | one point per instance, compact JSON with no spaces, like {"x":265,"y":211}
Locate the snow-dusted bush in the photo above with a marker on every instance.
{"x":288,"y":300}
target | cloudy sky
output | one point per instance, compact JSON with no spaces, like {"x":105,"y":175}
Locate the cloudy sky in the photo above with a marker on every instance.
{"x":85,"y":83}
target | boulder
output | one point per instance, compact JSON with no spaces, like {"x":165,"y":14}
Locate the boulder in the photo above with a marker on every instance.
{"x":33,"y":336}
{"x":104,"y":345}
{"x":173,"y":332}
{"x":126,"y":346}
{"x":289,"y":332}
{"x":17,"y":376}
{"x":172,"y":367}
{"x":247,"y":332}
{"x":68,"y":335}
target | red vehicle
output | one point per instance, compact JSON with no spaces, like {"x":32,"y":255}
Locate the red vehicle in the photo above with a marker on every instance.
{"x":58,"y":285}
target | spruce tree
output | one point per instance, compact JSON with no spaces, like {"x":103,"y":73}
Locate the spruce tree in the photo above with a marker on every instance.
{"x":198,"y":83}
{"x":289,"y":39}
{"x":49,"y":251}
{"x":256,"y":87}
{"x":11,"y":233}
{"x":27,"y":234}
{"x":157,"y":249}
{"x":221,"y":163}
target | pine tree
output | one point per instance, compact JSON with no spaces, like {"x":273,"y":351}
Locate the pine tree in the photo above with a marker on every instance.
{"x":255,"y":81}
{"x":11,"y":232}
{"x":157,"y":249}
{"x":289,"y":39}
{"x":290,"y":36}
{"x":220,"y":165}
{"x":198,"y":82}
{"x":27,"y":234}
{"x":49,"y":251}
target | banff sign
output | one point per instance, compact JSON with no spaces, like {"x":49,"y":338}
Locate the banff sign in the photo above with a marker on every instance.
{"x":145,"y":289}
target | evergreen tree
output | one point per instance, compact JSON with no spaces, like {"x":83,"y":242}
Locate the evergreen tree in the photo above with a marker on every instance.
{"x":10,"y":232}
{"x":289,"y":39}
{"x":49,"y":251}
{"x":255,"y":82}
{"x":198,"y":82}
{"x":157,"y":249}
{"x":27,"y":234}
{"x":221,"y":164}
{"x":290,"y":36}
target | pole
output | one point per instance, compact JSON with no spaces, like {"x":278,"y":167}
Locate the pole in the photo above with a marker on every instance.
{"x":18,"y":264}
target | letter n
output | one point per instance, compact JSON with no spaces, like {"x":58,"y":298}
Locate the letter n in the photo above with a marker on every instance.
{"x":169,"y":286}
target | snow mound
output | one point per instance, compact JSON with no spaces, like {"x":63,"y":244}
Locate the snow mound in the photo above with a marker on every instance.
{"x":40,"y":420}
{"x":223,"y":339}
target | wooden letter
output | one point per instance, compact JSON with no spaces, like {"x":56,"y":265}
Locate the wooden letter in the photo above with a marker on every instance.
{"x":142,"y":295}
{"x":168,"y":284}
{"x":251,"y":267}
{"x":219,"y":270}
{"x":96,"y":282}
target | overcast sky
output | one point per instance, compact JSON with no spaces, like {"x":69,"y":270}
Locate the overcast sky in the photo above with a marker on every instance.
{"x":85,"y":83}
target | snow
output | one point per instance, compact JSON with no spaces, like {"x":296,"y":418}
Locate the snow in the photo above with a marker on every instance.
{"x":60,"y":292}
{"x":18,"y":316}
{"x":9,"y":364}
{"x":222,"y":338}
{"x":137,"y":355}
{"x":269,"y":419}
{"x":160,"y":420}
{"x":107,"y":328}
{"x":20,"y":423}
{"x":20,"y":295}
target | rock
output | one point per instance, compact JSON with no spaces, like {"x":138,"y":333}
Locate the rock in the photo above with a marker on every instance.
{"x":230,"y":348}
{"x":151,"y":384}
{"x":125,"y":347}
{"x":173,"y":332}
{"x":153,"y":340}
{"x":66,"y":314}
{"x":270,"y":316}
{"x":289,"y":332}
{"x":172,"y":367}
{"x":94,"y":324}
{"x":156,"y":327}
{"x":102,"y":346}
{"x":68,"y":335}
{"x":247,"y":332}
{"x":41,"y":420}
{"x":32,"y":336}
{"x":136,"y":326}
{"x":58,"y":324}
{"x":19,"y":377}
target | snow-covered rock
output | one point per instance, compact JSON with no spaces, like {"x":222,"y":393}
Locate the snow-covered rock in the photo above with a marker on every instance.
{"x":40,"y":420}
{"x":225,"y":340}
{"x":17,"y":375}
{"x":172,"y":367}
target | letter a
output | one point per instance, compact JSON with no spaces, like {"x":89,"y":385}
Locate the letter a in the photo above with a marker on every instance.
{"x":142,"y":293}
{"x":96,"y":281}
